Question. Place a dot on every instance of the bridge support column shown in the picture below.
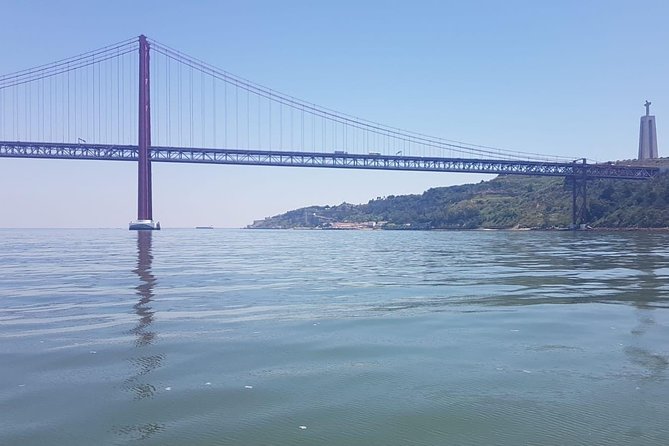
(578, 203)
(579, 211)
(144, 202)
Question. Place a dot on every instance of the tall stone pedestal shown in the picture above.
(647, 136)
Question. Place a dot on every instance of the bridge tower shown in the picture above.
(144, 202)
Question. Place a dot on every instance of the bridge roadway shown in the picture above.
(372, 161)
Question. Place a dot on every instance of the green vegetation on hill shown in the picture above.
(504, 202)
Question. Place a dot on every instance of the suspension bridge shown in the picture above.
(142, 101)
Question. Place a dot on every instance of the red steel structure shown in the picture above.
(144, 205)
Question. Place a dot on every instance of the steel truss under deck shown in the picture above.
(579, 170)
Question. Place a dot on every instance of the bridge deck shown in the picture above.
(320, 159)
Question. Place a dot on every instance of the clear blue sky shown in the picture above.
(560, 78)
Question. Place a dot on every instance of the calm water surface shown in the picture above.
(224, 337)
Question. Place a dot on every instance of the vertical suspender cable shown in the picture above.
(123, 97)
(202, 125)
(191, 105)
(79, 106)
(225, 114)
(202, 107)
(15, 106)
(29, 111)
(86, 96)
(180, 68)
(109, 111)
(215, 122)
(248, 120)
(99, 101)
(77, 109)
(95, 139)
(51, 112)
(118, 98)
(42, 110)
(155, 98)
(105, 94)
(68, 103)
(168, 92)
(109, 108)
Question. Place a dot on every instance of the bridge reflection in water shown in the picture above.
(145, 360)
(144, 290)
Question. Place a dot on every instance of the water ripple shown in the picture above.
(394, 338)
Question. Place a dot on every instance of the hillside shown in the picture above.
(503, 203)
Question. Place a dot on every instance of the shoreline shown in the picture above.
(589, 229)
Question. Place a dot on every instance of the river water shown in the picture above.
(240, 337)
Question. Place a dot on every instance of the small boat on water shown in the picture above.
(204, 227)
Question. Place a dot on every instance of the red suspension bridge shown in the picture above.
(86, 107)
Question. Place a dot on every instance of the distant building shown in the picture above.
(647, 136)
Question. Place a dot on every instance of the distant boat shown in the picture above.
(204, 227)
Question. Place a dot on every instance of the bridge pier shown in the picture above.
(578, 203)
(144, 201)
(579, 211)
